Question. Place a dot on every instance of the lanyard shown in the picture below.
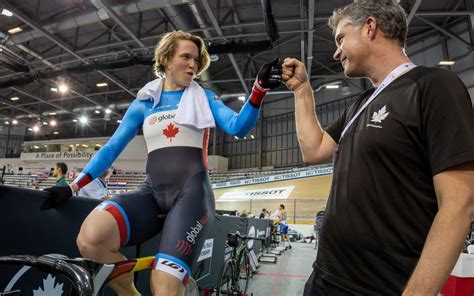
(397, 72)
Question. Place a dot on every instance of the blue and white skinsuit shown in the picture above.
(177, 184)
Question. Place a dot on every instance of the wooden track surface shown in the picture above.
(307, 198)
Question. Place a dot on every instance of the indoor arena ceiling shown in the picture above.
(83, 43)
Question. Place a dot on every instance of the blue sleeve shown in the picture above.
(125, 132)
(238, 124)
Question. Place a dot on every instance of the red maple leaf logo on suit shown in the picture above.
(170, 131)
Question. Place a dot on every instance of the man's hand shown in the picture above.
(57, 195)
(269, 75)
(294, 74)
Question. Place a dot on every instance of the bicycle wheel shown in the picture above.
(192, 288)
(226, 283)
(244, 272)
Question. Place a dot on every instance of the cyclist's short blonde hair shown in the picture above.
(167, 46)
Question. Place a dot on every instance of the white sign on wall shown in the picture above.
(319, 171)
(55, 155)
(268, 193)
(206, 251)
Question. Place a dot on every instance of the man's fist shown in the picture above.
(269, 75)
(57, 195)
(294, 74)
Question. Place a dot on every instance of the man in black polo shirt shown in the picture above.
(402, 194)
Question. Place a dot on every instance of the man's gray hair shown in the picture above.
(390, 16)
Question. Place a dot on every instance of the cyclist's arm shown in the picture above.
(104, 158)
(238, 124)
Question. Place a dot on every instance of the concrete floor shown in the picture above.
(288, 276)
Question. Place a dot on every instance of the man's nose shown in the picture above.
(337, 54)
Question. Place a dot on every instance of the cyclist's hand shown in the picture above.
(57, 195)
(269, 75)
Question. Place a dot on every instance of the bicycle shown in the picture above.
(88, 277)
(236, 268)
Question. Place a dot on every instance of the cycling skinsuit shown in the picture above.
(177, 186)
(283, 223)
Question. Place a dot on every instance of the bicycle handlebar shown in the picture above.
(79, 276)
(245, 237)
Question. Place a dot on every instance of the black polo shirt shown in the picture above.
(382, 200)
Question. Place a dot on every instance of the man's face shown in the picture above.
(351, 48)
(56, 172)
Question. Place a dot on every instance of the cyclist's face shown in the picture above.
(182, 67)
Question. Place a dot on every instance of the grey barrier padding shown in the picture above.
(259, 228)
(206, 272)
(25, 229)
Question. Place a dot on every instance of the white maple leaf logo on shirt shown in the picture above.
(380, 115)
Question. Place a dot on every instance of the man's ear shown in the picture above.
(371, 27)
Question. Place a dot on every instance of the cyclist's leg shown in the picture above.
(186, 227)
(114, 224)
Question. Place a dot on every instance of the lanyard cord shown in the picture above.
(397, 72)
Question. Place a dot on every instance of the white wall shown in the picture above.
(133, 158)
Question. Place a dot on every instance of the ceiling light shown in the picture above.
(97, 111)
(45, 123)
(102, 84)
(332, 86)
(446, 63)
(52, 113)
(7, 122)
(36, 147)
(242, 98)
(7, 12)
(119, 121)
(55, 133)
(71, 145)
(108, 111)
(53, 122)
(36, 128)
(252, 136)
(30, 129)
(54, 89)
(214, 57)
(14, 121)
(77, 144)
(235, 137)
(15, 30)
(98, 145)
(45, 146)
(84, 145)
(14, 98)
(74, 120)
(83, 119)
(63, 88)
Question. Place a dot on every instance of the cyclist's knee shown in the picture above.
(163, 283)
(99, 232)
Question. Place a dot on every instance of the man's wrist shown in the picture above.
(304, 87)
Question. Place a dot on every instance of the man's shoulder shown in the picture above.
(423, 74)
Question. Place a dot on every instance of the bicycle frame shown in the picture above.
(88, 277)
